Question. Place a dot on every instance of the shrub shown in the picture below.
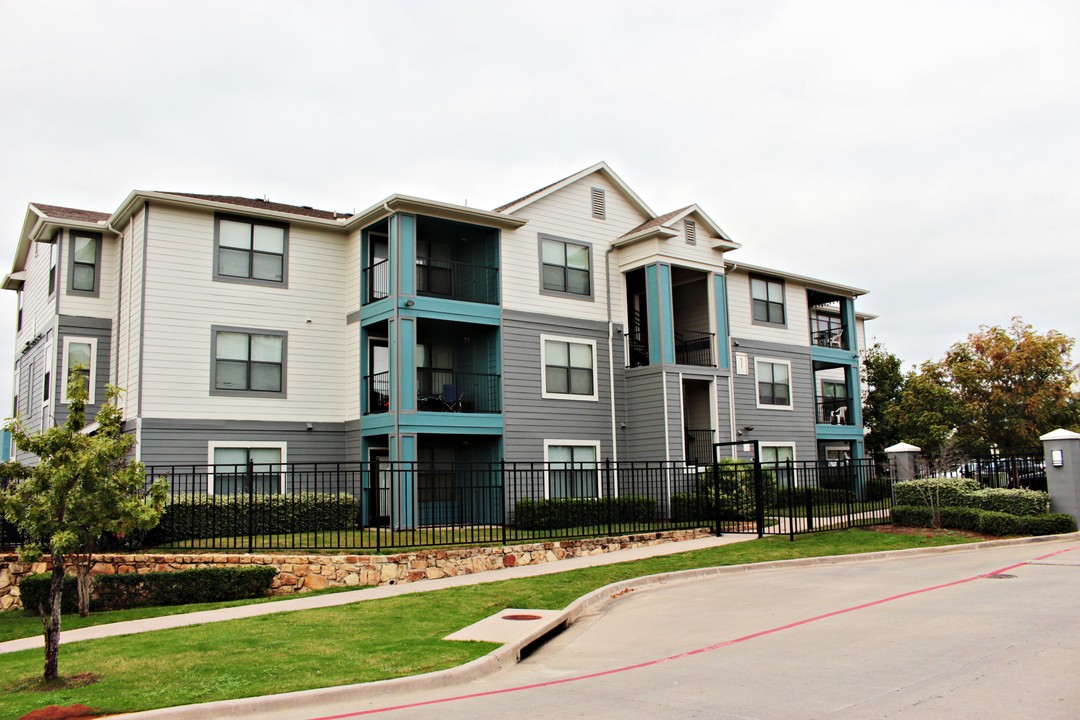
(201, 516)
(733, 489)
(1013, 501)
(999, 523)
(960, 518)
(912, 516)
(943, 492)
(1049, 524)
(113, 592)
(985, 521)
(557, 513)
(691, 507)
(34, 591)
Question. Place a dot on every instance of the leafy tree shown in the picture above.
(883, 380)
(81, 487)
(1011, 384)
(925, 412)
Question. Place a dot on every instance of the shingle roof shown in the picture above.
(656, 221)
(261, 204)
(534, 192)
(66, 213)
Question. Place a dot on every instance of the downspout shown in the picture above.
(733, 364)
(396, 335)
(119, 295)
(611, 358)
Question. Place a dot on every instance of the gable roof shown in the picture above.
(65, 213)
(660, 225)
(261, 204)
(600, 167)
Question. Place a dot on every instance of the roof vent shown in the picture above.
(691, 232)
(599, 210)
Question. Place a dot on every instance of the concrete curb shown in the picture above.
(510, 653)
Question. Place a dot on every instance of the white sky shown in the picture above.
(925, 151)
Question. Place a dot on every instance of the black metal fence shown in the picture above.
(1015, 470)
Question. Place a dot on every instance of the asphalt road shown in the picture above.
(922, 637)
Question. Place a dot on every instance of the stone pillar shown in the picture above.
(1061, 450)
(902, 461)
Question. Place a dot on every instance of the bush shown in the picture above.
(559, 513)
(815, 496)
(1049, 524)
(944, 492)
(691, 507)
(113, 592)
(999, 523)
(984, 521)
(34, 591)
(201, 516)
(734, 489)
(1013, 501)
(960, 518)
(912, 516)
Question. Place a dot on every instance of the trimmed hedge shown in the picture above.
(1014, 502)
(116, 592)
(558, 513)
(984, 521)
(187, 517)
(962, 492)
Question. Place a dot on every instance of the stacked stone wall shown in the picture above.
(298, 573)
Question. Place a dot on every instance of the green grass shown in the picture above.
(363, 642)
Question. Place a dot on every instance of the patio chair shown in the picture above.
(451, 398)
(838, 416)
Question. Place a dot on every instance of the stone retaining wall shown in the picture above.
(297, 573)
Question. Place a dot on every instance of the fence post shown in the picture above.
(715, 494)
(759, 481)
(502, 498)
(611, 507)
(791, 498)
(250, 480)
(374, 472)
(1061, 453)
(902, 461)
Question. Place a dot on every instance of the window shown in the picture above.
(773, 383)
(46, 386)
(228, 476)
(251, 251)
(690, 228)
(775, 458)
(572, 469)
(247, 362)
(19, 312)
(768, 300)
(81, 353)
(599, 207)
(52, 263)
(85, 263)
(569, 368)
(566, 266)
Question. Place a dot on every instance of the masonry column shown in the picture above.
(1061, 450)
(902, 460)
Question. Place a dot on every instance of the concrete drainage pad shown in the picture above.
(505, 626)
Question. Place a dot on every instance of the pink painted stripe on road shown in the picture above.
(691, 653)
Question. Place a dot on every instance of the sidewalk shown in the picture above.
(372, 593)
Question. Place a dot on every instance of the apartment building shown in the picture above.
(571, 325)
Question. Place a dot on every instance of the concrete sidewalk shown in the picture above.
(372, 593)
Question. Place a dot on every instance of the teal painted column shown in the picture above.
(847, 317)
(722, 345)
(405, 362)
(661, 330)
(403, 450)
(851, 380)
(406, 245)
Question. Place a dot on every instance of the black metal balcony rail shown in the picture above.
(457, 281)
(831, 337)
(699, 446)
(376, 280)
(442, 390)
(377, 387)
(834, 411)
(693, 348)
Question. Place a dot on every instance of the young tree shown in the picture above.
(81, 487)
(925, 413)
(1011, 385)
(883, 379)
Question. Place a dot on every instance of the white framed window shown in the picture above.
(773, 383)
(573, 469)
(774, 458)
(229, 462)
(46, 386)
(245, 361)
(252, 251)
(569, 368)
(81, 352)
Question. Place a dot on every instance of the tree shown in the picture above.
(925, 413)
(1011, 385)
(883, 379)
(81, 487)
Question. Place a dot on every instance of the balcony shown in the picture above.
(378, 392)
(828, 335)
(457, 281)
(443, 390)
(834, 411)
(694, 348)
(376, 282)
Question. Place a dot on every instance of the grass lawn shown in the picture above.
(373, 640)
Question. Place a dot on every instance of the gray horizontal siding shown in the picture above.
(645, 414)
(84, 327)
(185, 442)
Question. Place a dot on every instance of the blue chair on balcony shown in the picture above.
(451, 398)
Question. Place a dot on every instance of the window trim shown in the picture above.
(92, 380)
(544, 393)
(253, 221)
(73, 236)
(783, 305)
(781, 444)
(216, 391)
(54, 261)
(757, 384)
(47, 380)
(541, 237)
(213, 446)
(595, 444)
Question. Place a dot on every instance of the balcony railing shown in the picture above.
(693, 348)
(378, 392)
(834, 411)
(699, 446)
(439, 390)
(377, 281)
(457, 281)
(831, 337)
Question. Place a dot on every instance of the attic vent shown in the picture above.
(599, 210)
(691, 232)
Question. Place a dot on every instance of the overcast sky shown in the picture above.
(925, 151)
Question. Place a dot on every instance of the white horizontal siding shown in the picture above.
(796, 310)
(353, 264)
(39, 308)
(566, 213)
(183, 302)
(104, 305)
